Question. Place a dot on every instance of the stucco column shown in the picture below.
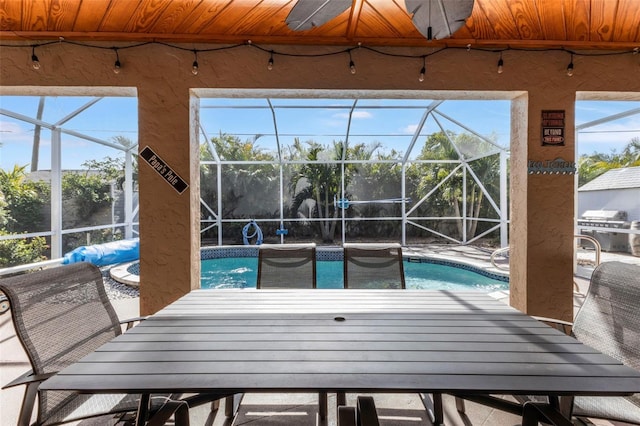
(169, 220)
(542, 208)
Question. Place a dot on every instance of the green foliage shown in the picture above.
(89, 192)
(24, 201)
(322, 181)
(592, 166)
(249, 190)
(21, 251)
(444, 180)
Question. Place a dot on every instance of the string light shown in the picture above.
(352, 65)
(35, 62)
(117, 65)
(195, 66)
(570, 67)
(423, 70)
(270, 63)
(500, 64)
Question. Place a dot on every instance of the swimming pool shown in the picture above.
(236, 267)
(420, 273)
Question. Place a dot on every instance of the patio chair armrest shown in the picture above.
(564, 326)
(28, 378)
(130, 322)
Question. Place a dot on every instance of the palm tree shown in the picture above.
(592, 166)
(322, 182)
(484, 163)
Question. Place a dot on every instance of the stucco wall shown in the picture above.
(541, 233)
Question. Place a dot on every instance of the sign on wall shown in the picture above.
(553, 127)
(163, 170)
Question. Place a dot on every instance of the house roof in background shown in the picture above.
(625, 178)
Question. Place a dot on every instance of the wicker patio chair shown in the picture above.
(608, 321)
(372, 265)
(287, 266)
(60, 315)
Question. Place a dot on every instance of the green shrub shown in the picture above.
(21, 251)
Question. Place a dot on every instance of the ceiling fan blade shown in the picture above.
(307, 14)
(438, 19)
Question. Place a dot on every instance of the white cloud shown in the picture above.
(355, 115)
(410, 129)
(12, 132)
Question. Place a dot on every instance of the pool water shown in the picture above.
(241, 272)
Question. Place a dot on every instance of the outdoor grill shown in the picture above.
(608, 220)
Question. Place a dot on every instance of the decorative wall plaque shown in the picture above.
(553, 127)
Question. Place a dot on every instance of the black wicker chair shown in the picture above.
(60, 315)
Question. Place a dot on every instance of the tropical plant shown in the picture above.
(249, 190)
(21, 251)
(320, 178)
(24, 200)
(445, 180)
(593, 165)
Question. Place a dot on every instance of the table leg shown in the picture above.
(533, 412)
(143, 410)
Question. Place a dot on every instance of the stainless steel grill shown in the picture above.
(608, 220)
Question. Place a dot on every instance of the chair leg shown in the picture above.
(323, 405)
(346, 416)
(433, 405)
(231, 404)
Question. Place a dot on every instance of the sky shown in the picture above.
(390, 122)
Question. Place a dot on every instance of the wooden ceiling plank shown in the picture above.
(247, 18)
(500, 18)
(90, 15)
(627, 22)
(577, 20)
(478, 23)
(390, 16)
(35, 15)
(202, 16)
(603, 13)
(526, 18)
(62, 14)
(552, 20)
(354, 18)
(10, 15)
(173, 15)
(118, 15)
(146, 15)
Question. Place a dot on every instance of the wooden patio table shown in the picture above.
(367, 341)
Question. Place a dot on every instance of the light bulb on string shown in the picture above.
(500, 64)
(423, 70)
(35, 62)
(570, 67)
(195, 66)
(270, 62)
(117, 65)
(352, 65)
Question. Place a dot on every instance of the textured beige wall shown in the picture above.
(541, 232)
